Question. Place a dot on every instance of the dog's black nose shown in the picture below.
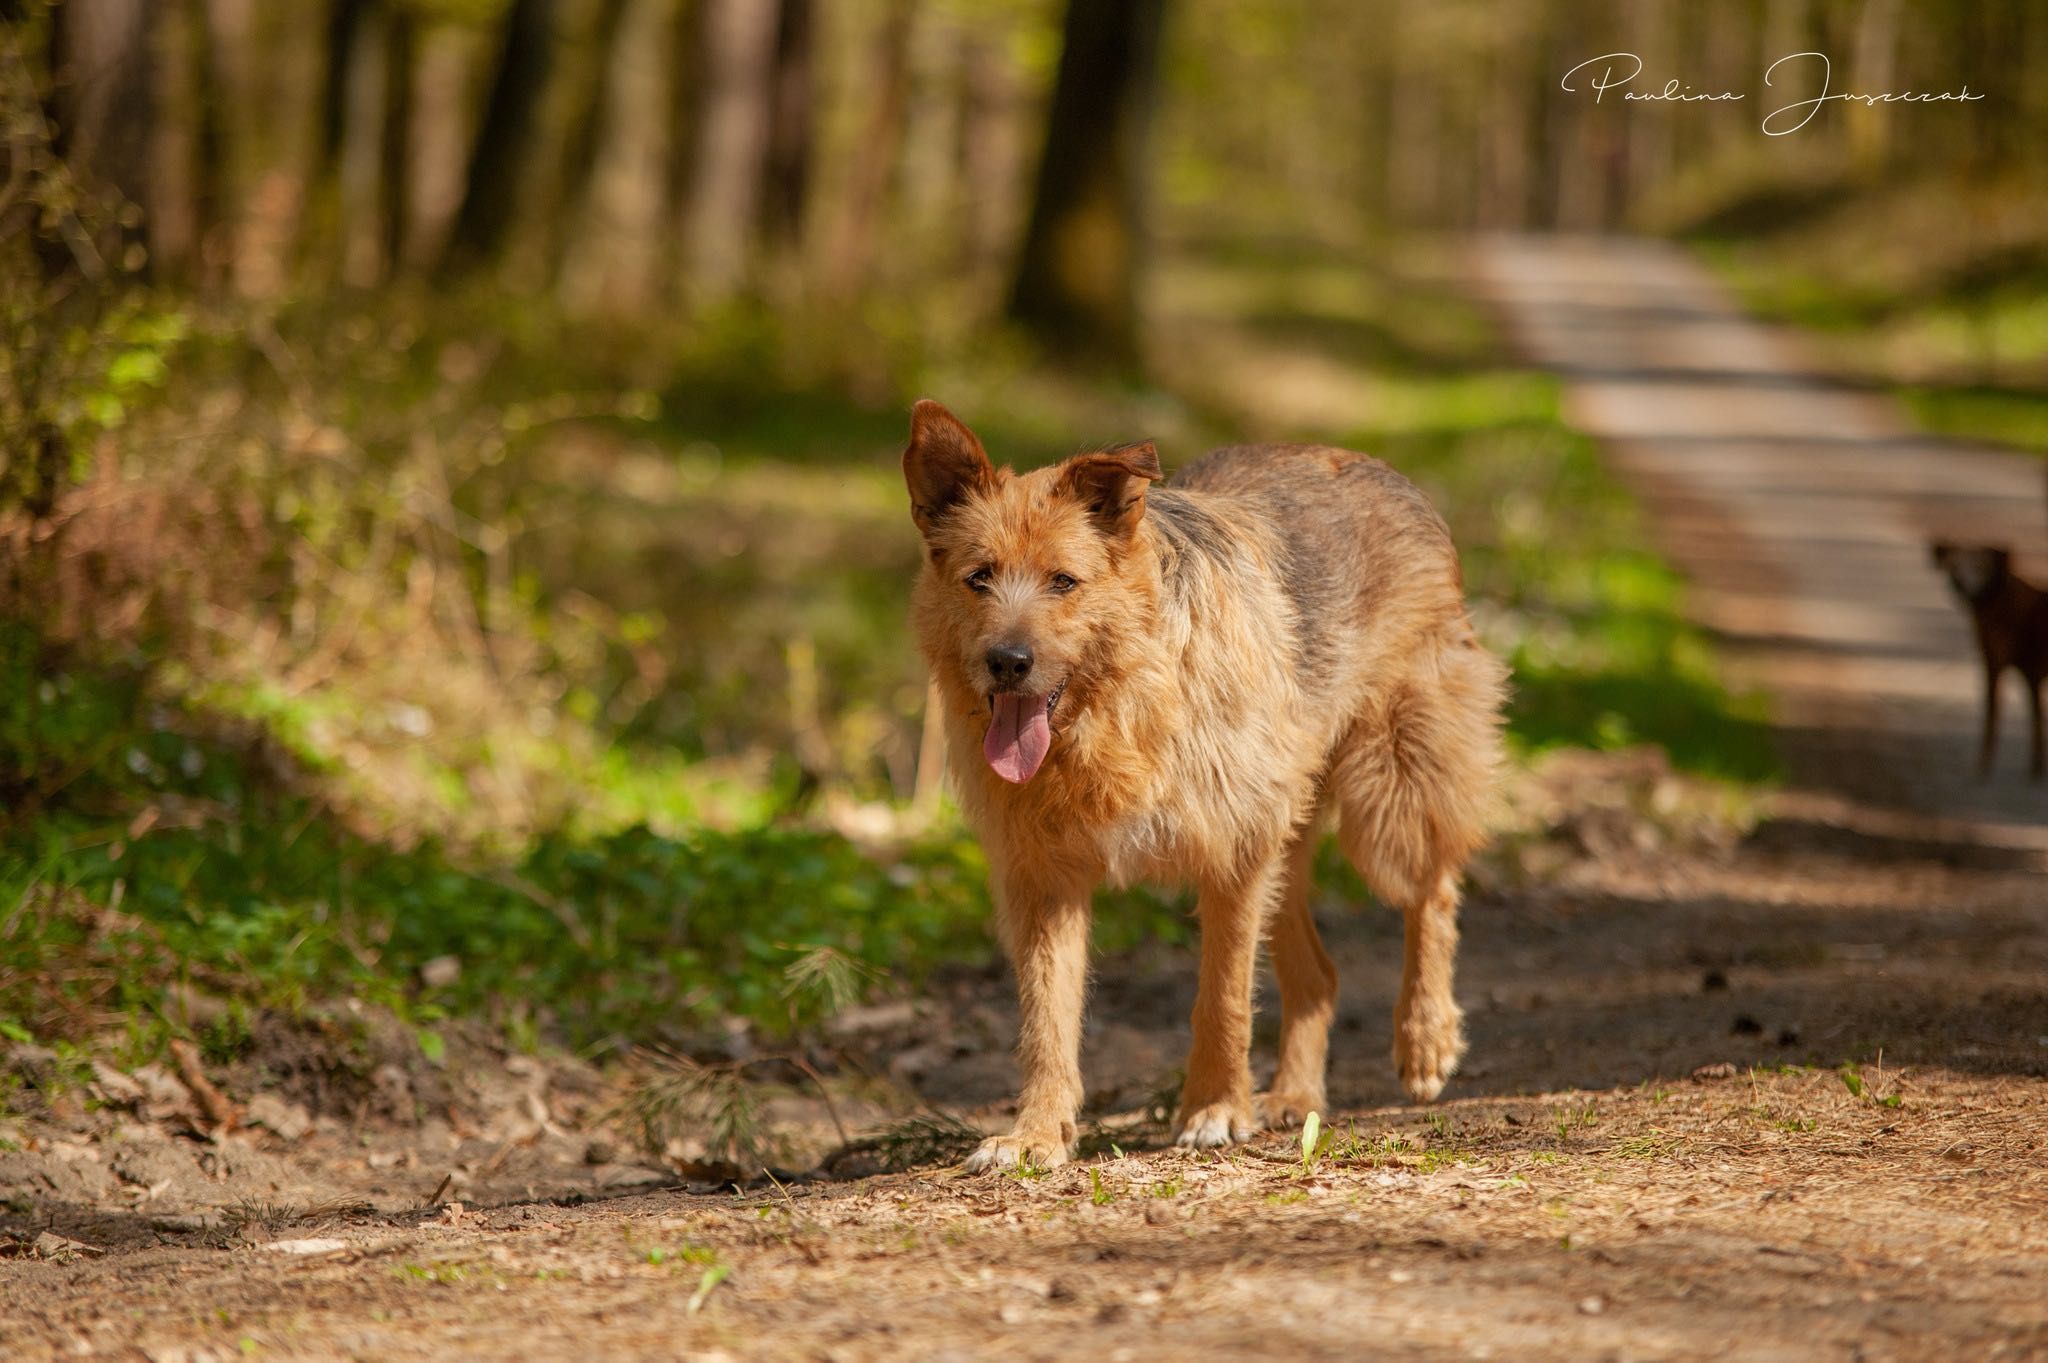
(1009, 664)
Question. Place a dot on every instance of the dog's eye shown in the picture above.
(1063, 584)
(980, 578)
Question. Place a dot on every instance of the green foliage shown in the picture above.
(1564, 583)
(633, 933)
(1953, 320)
(243, 876)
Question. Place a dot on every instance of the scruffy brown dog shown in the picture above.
(2011, 618)
(1178, 683)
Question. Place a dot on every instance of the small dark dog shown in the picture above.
(2011, 616)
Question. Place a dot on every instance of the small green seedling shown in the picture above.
(714, 1274)
(1313, 1143)
(1101, 1196)
(1852, 1079)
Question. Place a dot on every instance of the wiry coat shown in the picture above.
(1276, 632)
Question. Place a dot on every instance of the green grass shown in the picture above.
(1934, 291)
(2015, 417)
(1591, 620)
(226, 871)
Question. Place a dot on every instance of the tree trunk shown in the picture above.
(725, 192)
(344, 21)
(867, 182)
(490, 191)
(394, 200)
(1076, 279)
(443, 123)
(1872, 67)
(990, 173)
(787, 180)
(610, 261)
(321, 230)
(105, 101)
(358, 172)
(181, 188)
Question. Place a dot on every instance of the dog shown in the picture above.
(2011, 618)
(1184, 682)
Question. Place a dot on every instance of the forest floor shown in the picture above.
(1768, 1099)
(1763, 1084)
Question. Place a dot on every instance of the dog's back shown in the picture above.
(1398, 705)
(1365, 561)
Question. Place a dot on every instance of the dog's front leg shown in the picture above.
(1216, 1100)
(1046, 936)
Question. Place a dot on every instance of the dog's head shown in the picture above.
(1974, 570)
(1028, 577)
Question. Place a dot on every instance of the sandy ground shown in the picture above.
(1654, 1152)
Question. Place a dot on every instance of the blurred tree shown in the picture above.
(790, 125)
(490, 191)
(732, 145)
(886, 92)
(1076, 278)
(105, 76)
(611, 259)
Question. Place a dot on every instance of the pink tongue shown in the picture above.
(1018, 737)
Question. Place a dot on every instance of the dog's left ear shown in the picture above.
(1112, 484)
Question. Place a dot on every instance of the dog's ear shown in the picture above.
(1112, 484)
(943, 463)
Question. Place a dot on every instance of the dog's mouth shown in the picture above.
(1019, 732)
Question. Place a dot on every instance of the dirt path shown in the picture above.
(1652, 1154)
(1801, 511)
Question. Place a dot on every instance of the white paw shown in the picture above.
(1216, 1124)
(1427, 1048)
(1019, 1149)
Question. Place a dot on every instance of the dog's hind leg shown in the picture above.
(1216, 1100)
(1308, 994)
(1412, 784)
(1429, 1027)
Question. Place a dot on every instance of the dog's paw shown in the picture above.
(1285, 1109)
(1018, 1150)
(1427, 1047)
(1215, 1124)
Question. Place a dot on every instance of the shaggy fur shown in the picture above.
(2011, 619)
(1272, 640)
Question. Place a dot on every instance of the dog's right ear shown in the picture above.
(943, 463)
